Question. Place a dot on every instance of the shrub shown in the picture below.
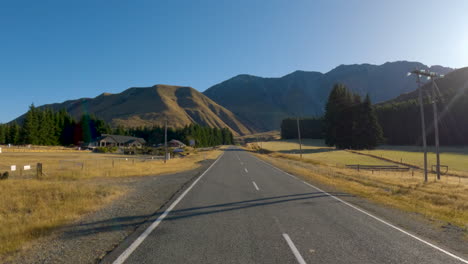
(4, 176)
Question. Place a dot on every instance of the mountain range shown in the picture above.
(246, 103)
(261, 103)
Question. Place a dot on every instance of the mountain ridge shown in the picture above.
(151, 106)
(263, 102)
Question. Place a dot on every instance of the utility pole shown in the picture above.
(165, 141)
(299, 136)
(423, 124)
(429, 75)
(436, 125)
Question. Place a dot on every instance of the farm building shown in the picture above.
(118, 141)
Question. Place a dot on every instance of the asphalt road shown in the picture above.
(243, 210)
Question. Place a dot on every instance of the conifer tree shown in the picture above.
(369, 132)
(14, 134)
(31, 126)
(2, 134)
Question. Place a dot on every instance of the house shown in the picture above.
(107, 140)
(175, 144)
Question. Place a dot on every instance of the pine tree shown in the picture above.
(338, 124)
(368, 129)
(30, 127)
(14, 134)
(2, 134)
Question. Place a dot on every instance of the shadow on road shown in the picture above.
(132, 222)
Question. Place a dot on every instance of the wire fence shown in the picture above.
(78, 168)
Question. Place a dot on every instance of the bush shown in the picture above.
(4, 176)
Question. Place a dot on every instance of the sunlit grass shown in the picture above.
(315, 150)
(445, 200)
(70, 188)
(31, 208)
(91, 165)
(455, 158)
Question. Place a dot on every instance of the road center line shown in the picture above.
(255, 185)
(375, 217)
(246, 171)
(121, 259)
(294, 249)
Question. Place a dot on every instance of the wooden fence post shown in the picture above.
(39, 171)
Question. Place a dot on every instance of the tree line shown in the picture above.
(203, 136)
(344, 124)
(349, 122)
(401, 122)
(309, 127)
(52, 128)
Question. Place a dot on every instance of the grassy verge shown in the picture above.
(30, 208)
(446, 201)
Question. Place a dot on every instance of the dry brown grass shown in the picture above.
(79, 165)
(30, 208)
(445, 200)
(32, 148)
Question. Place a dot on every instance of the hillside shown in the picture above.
(263, 102)
(152, 105)
(400, 117)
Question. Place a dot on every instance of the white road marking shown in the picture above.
(246, 171)
(121, 259)
(255, 185)
(294, 249)
(376, 218)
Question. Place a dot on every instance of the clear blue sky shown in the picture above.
(51, 51)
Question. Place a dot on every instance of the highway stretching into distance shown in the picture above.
(243, 210)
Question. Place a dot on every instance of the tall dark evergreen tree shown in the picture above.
(367, 131)
(14, 134)
(2, 134)
(30, 131)
(337, 122)
(350, 123)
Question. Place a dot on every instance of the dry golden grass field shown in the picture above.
(455, 158)
(69, 188)
(445, 200)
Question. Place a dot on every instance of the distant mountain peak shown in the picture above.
(264, 102)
